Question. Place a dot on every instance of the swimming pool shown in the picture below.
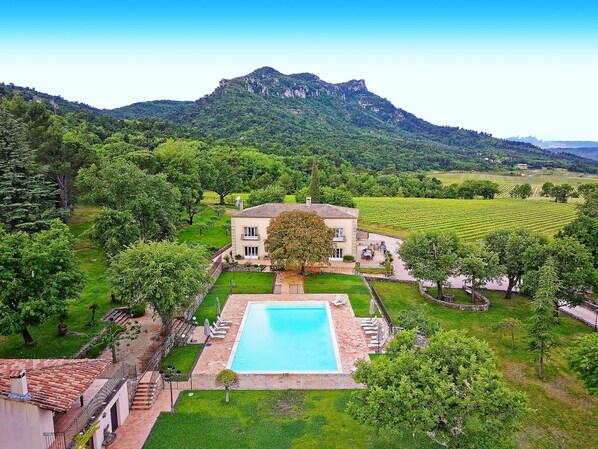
(286, 337)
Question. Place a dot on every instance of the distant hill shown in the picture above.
(582, 148)
(301, 115)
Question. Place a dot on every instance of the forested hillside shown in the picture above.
(299, 116)
(302, 114)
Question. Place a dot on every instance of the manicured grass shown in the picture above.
(359, 295)
(182, 357)
(461, 297)
(96, 291)
(470, 219)
(564, 414)
(245, 282)
(217, 235)
(270, 419)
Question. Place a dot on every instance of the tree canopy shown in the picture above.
(431, 256)
(583, 358)
(449, 391)
(166, 275)
(38, 275)
(297, 238)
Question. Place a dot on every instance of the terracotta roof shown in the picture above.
(54, 384)
(273, 210)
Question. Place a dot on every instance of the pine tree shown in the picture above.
(27, 198)
(314, 185)
(541, 333)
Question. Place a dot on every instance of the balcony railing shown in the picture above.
(339, 238)
(250, 237)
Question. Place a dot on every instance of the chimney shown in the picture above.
(308, 201)
(18, 382)
(241, 205)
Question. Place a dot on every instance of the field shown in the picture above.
(470, 219)
(215, 236)
(564, 415)
(506, 182)
(271, 419)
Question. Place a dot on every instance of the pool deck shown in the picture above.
(352, 346)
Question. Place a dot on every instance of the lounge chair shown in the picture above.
(220, 326)
(213, 335)
(339, 301)
(220, 320)
(214, 330)
(369, 320)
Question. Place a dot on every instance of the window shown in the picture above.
(337, 253)
(250, 233)
(339, 234)
(251, 252)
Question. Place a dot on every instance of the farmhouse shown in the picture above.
(44, 403)
(249, 228)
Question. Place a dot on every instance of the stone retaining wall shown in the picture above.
(467, 307)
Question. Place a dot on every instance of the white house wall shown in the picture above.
(22, 425)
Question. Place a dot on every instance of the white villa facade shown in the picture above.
(249, 228)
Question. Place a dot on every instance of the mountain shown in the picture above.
(582, 148)
(555, 144)
(301, 114)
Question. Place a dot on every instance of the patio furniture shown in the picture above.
(214, 330)
(339, 301)
(212, 335)
(220, 320)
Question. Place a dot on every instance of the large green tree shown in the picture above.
(584, 228)
(510, 246)
(225, 180)
(151, 199)
(431, 256)
(573, 264)
(479, 265)
(165, 275)
(270, 194)
(188, 170)
(38, 275)
(297, 238)
(541, 332)
(27, 198)
(113, 230)
(583, 358)
(449, 391)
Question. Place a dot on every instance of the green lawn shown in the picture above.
(270, 419)
(182, 357)
(565, 416)
(359, 295)
(216, 236)
(245, 282)
(96, 290)
(461, 297)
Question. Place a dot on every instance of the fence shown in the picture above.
(380, 304)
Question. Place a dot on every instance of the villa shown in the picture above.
(249, 228)
(45, 403)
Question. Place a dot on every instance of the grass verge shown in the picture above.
(359, 295)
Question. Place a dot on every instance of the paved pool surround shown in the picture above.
(350, 340)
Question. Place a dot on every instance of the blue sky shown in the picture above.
(509, 68)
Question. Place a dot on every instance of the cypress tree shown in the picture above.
(314, 185)
(27, 198)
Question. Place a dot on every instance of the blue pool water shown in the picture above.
(285, 337)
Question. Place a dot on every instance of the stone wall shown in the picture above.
(467, 307)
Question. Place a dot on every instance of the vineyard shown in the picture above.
(470, 219)
(536, 178)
